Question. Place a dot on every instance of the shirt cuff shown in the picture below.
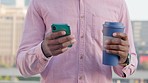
(41, 55)
(118, 70)
(128, 70)
(125, 71)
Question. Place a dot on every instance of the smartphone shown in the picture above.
(61, 27)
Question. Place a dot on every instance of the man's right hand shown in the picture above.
(54, 45)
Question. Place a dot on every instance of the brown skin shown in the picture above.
(118, 45)
(53, 46)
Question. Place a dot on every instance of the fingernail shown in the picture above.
(63, 32)
(72, 36)
(114, 34)
(74, 40)
(64, 49)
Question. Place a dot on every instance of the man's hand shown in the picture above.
(118, 45)
(54, 45)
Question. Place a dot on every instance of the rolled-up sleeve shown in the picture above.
(129, 69)
(30, 58)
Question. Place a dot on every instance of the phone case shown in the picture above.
(61, 27)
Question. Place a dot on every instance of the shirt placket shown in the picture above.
(82, 40)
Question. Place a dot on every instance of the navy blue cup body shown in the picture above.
(108, 29)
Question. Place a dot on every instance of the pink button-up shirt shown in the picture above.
(82, 63)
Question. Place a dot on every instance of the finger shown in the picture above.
(59, 51)
(117, 48)
(116, 41)
(56, 35)
(69, 43)
(55, 47)
(61, 40)
(119, 53)
(60, 46)
(65, 39)
(120, 35)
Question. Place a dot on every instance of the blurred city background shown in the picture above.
(12, 14)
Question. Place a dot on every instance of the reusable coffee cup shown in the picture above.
(108, 29)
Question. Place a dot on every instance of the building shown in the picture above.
(11, 25)
(8, 2)
(27, 2)
(140, 29)
(17, 3)
(12, 14)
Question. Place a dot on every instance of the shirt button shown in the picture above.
(82, 16)
(80, 78)
(81, 57)
(82, 36)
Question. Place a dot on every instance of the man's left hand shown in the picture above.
(118, 45)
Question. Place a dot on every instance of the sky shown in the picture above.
(138, 9)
